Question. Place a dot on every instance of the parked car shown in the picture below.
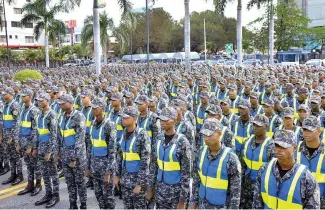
(231, 63)
(315, 62)
(252, 62)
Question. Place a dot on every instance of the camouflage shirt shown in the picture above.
(153, 122)
(14, 111)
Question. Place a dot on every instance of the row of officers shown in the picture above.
(245, 167)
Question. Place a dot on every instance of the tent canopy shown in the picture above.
(160, 56)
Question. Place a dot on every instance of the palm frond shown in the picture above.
(125, 5)
(30, 18)
(87, 34)
(38, 29)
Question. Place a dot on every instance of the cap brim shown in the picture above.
(125, 115)
(60, 102)
(206, 132)
(258, 123)
(94, 106)
(164, 118)
(282, 144)
(310, 128)
(243, 107)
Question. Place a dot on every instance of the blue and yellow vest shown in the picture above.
(296, 105)
(254, 158)
(214, 176)
(75, 101)
(131, 159)
(146, 125)
(221, 95)
(107, 109)
(200, 116)
(213, 90)
(241, 134)
(89, 119)
(42, 127)
(98, 140)
(26, 121)
(271, 128)
(118, 122)
(169, 168)
(316, 166)
(7, 116)
(174, 92)
(259, 110)
(281, 196)
(68, 133)
(233, 105)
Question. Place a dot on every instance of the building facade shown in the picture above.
(315, 10)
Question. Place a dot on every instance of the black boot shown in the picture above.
(19, 178)
(11, 179)
(54, 200)
(5, 170)
(73, 205)
(37, 188)
(29, 188)
(83, 206)
(90, 184)
(61, 174)
(43, 200)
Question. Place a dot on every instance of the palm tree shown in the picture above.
(87, 33)
(270, 11)
(126, 6)
(220, 8)
(187, 33)
(56, 31)
(43, 15)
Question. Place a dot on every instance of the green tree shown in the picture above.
(87, 33)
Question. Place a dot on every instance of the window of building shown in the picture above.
(78, 38)
(29, 25)
(2, 38)
(10, 36)
(18, 11)
(15, 24)
(16, 36)
(29, 39)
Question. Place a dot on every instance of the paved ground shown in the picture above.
(10, 200)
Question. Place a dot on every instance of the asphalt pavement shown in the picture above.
(10, 200)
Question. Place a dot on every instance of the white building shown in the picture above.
(315, 10)
(18, 37)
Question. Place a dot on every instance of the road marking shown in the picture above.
(13, 188)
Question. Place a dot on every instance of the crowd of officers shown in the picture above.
(213, 137)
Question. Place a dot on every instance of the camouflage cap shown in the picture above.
(153, 99)
(288, 112)
(182, 97)
(65, 98)
(210, 126)
(254, 95)
(244, 104)
(285, 138)
(8, 90)
(225, 101)
(142, 99)
(55, 89)
(130, 111)
(128, 95)
(304, 107)
(214, 109)
(269, 102)
(290, 86)
(168, 113)
(86, 92)
(116, 96)
(232, 87)
(308, 82)
(110, 89)
(303, 90)
(311, 123)
(98, 102)
(222, 81)
(261, 120)
(204, 94)
(178, 103)
(315, 99)
(267, 85)
(43, 96)
(27, 92)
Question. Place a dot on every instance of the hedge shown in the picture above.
(27, 74)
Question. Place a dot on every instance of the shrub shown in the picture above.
(27, 74)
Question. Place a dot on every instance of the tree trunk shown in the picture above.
(271, 33)
(97, 38)
(239, 32)
(47, 56)
(187, 34)
(105, 53)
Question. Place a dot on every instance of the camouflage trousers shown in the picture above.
(104, 192)
(3, 159)
(247, 192)
(51, 177)
(133, 201)
(33, 168)
(11, 154)
(167, 196)
(74, 178)
(204, 204)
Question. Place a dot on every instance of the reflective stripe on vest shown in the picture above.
(75, 105)
(25, 122)
(241, 139)
(98, 141)
(42, 129)
(199, 117)
(284, 196)
(214, 177)
(146, 126)
(270, 128)
(68, 133)
(7, 117)
(233, 107)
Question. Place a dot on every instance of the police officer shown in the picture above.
(256, 108)
(311, 153)
(27, 142)
(225, 106)
(274, 119)
(170, 167)
(303, 112)
(72, 150)
(288, 123)
(133, 161)
(102, 155)
(76, 95)
(217, 172)
(46, 148)
(11, 136)
(283, 182)
(256, 151)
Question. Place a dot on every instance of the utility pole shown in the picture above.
(205, 42)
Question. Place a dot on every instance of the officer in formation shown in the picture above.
(239, 119)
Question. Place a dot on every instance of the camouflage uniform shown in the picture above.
(130, 179)
(309, 189)
(99, 165)
(233, 171)
(74, 177)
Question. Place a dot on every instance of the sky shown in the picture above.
(174, 7)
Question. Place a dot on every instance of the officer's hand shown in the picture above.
(47, 157)
(28, 150)
(0, 139)
(35, 152)
(106, 178)
(72, 164)
(18, 148)
(192, 207)
(116, 182)
(181, 205)
(137, 189)
(56, 157)
(87, 172)
(9, 140)
(149, 194)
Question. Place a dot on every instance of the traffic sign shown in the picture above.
(229, 48)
